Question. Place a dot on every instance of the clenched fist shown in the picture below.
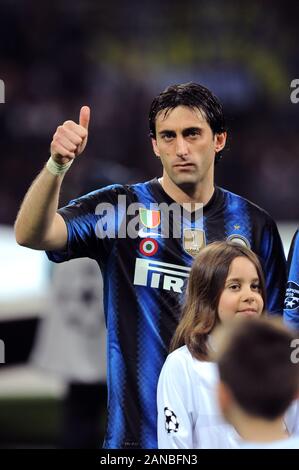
(70, 139)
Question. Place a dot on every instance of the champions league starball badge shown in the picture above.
(292, 296)
(171, 421)
(194, 241)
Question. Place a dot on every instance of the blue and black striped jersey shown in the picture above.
(144, 281)
(291, 304)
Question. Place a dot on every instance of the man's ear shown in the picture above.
(220, 141)
(155, 147)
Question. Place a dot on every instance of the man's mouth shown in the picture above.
(184, 165)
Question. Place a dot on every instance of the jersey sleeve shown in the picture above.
(291, 304)
(91, 227)
(291, 418)
(274, 265)
(174, 416)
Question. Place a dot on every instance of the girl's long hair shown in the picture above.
(206, 283)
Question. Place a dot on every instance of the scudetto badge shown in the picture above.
(194, 241)
(149, 218)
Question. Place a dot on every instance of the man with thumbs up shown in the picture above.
(38, 225)
(145, 268)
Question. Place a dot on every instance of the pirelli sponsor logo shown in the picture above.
(160, 275)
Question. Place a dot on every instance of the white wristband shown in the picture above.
(57, 168)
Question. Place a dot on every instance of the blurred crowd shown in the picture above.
(115, 57)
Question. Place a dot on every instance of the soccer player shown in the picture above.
(145, 268)
(258, 383)
(291, 305)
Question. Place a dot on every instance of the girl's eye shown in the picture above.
(256, 287)
(234, 286)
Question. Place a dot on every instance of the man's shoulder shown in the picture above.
(112, 192)
(113, 189)
(237, 199)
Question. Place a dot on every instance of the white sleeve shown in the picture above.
(175, 425)
(292, 418)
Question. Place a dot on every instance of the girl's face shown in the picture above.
(241, 296)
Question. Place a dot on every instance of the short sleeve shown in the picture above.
(291, 305)
(91, 222)
(274, 265)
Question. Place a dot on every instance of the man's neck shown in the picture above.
(188, 194)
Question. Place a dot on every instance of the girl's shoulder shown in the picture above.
(182, 358)
(181, 368)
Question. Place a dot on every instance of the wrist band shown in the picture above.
(57, 168)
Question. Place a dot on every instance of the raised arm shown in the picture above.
(38, 225)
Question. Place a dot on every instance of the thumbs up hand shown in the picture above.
(70, 139)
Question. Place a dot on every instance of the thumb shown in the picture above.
(84, 117)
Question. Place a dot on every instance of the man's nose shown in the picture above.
(181, 146)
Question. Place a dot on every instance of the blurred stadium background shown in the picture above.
(116, 56)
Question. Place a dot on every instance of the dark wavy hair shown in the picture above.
(192, 95)
(205, 286)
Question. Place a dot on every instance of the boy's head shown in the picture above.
(257, 374)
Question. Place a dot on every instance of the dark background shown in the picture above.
(56, 56)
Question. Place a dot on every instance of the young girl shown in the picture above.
(226, 282)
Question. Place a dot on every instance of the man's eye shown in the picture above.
(193, 133)
(167, 137)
